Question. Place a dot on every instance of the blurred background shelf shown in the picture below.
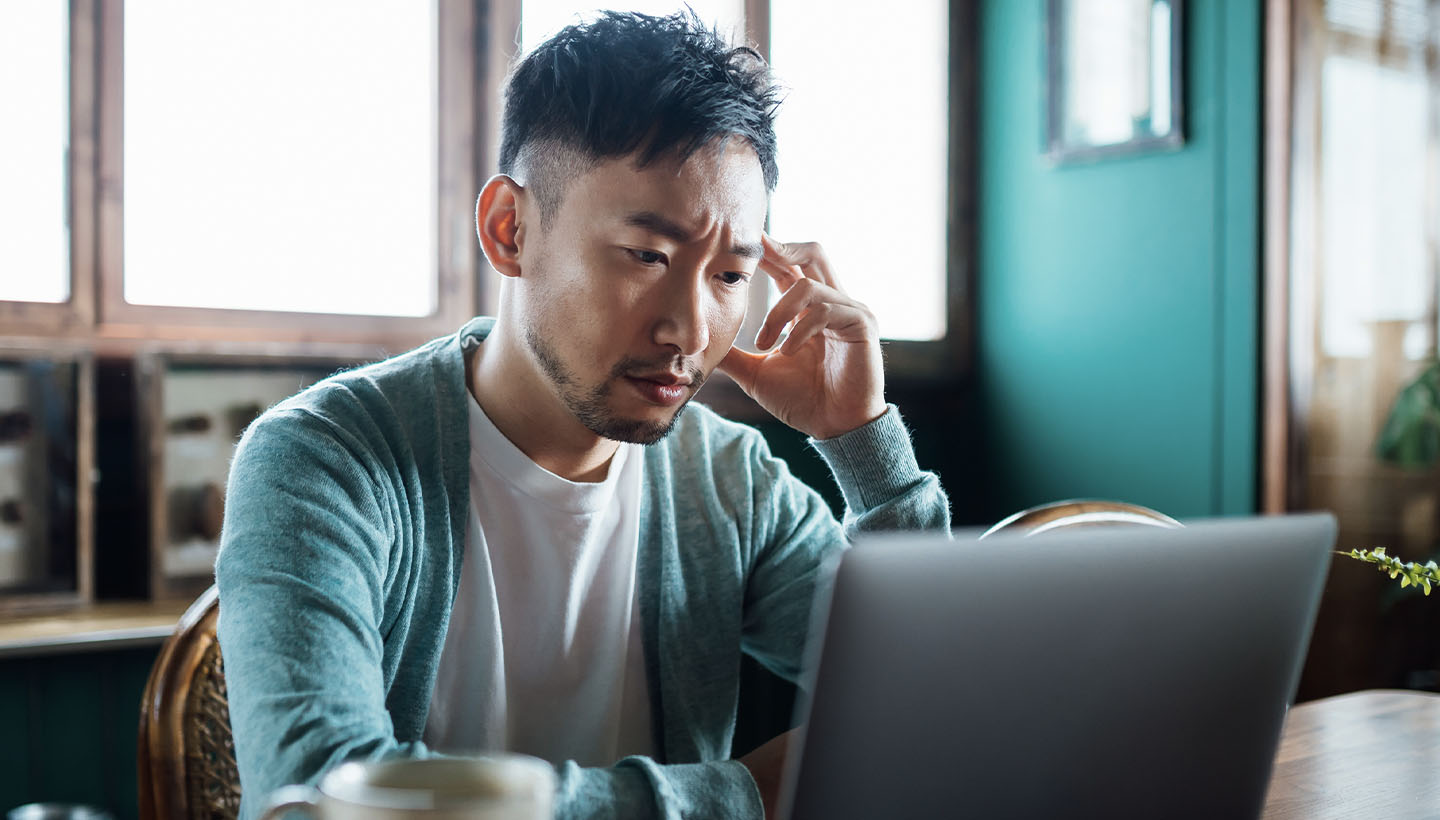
(95, 627)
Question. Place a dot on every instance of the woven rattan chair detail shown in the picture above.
(186, 755)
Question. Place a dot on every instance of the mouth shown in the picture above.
(664, 378)
(663, 389)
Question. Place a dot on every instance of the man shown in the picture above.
(512, 537)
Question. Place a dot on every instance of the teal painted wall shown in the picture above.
(1117, 302)
(68, 727)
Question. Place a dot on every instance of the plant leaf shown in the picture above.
(1411, 435)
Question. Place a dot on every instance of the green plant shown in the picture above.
(1411, 435)
(1410, 439)
(1409, 572)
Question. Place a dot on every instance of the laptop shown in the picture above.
(1101, 672)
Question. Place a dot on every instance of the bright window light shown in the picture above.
(35, 96)
(281, 155)
(865, 119)
(541, 19)
(1375, 257)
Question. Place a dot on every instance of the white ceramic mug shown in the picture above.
(497, 787)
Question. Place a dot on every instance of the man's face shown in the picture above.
(635, 288)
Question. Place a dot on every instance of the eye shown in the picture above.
(731, 277)
(646, 257)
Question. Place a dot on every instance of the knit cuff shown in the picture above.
(717, 788)
(872, 464)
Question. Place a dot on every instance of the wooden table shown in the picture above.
(1372, 755)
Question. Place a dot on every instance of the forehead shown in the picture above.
(720, 183)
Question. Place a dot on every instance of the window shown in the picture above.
(1373, 254)
(1351, 231)
(297, 159)
(257, 171)
(34, 85)
(541, 19)
(859, 119)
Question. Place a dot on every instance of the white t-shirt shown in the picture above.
(543, 654)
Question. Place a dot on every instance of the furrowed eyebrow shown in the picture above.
(670, 229)
(749, 250)
(657, 224)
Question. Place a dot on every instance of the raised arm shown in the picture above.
(825, 379)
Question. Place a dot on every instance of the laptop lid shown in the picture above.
(1108, 672)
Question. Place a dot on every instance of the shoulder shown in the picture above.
(410, 402)
(408, 381)
(413, 386)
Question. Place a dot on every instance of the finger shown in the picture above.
(742, 366)
(795, 301)
(786, 257)
(791, 303)
(810, 257)
(810, 323)
(843, 320)
(782, 272)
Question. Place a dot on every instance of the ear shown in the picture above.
(497, 222)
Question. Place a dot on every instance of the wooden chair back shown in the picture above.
(1059, 515)
(186, 754)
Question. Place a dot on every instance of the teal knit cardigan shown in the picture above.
(340, 559)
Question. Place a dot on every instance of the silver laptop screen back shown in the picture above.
(1101, 673)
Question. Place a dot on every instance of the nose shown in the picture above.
(682, 324)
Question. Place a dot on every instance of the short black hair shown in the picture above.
(630, 83)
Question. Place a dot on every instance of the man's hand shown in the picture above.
(767, 766)
(827, 378)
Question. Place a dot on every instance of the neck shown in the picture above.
(519, 402)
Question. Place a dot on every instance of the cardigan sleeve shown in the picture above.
(883, 486)
(884, 489)
(301, 569)
(639, 788)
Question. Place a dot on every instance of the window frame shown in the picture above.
(97, 312)
(77, 313)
